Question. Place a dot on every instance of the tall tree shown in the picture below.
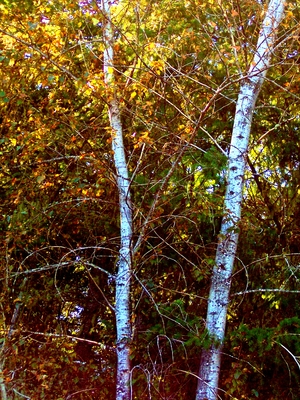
(218, 299)
(122, 303)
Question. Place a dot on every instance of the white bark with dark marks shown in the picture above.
(122, 302)
(228, 239)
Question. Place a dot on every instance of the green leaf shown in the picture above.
(40, 178)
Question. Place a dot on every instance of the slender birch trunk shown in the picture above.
(122, 301)
(228, 239)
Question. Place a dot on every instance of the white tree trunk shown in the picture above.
(122, 303)
(222, 273)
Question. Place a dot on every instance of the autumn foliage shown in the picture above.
(177, 74)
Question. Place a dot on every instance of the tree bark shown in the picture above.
(218, 300)
(122, 301)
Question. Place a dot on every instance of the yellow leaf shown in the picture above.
(151, 46)
(99, 192)
(95, 21)
(133, 95)
(17, 300)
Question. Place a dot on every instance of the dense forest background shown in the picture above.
(178, 67)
